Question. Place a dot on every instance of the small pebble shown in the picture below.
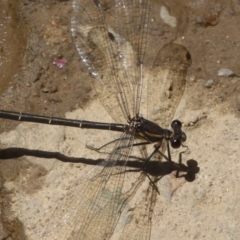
(209, 83)
(59, 63)
(45, 90)
(167, 18)
(51, 89)
(193, 120)
(28, 84)
(192, 78)
(225, 72)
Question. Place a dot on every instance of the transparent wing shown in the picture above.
(167, 82)
(92, 207)
(114, 49)
(112, 46)
(139, 222)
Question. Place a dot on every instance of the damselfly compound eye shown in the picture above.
(176, 143)
(176, 124)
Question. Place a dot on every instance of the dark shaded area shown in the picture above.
(13, 38)
(14, 229)
(39, 86)
(154, 168)
(11, 228)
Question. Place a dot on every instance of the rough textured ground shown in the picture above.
(33, 179)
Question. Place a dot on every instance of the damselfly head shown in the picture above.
(179, 136)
